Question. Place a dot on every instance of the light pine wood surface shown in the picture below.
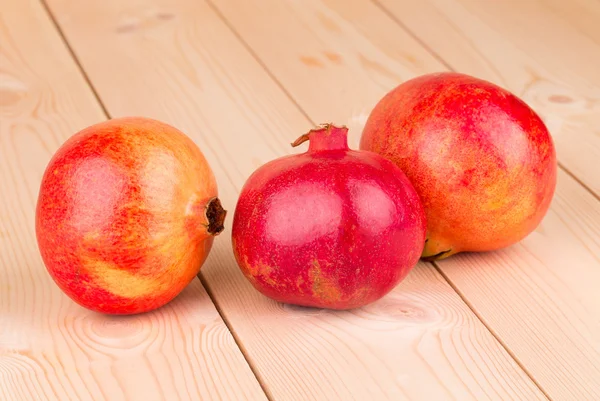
(244, 79)
(50, 348)
(557, 261)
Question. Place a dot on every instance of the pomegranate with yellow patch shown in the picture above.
(126, 215)
(331, 228)
(480, 158)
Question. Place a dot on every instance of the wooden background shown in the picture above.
(243, 79)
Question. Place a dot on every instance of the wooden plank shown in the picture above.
(177, 61)
(539, 56)
(555, 266)
(582, 15)
(335, 63)
(50, 348)
(529, 49)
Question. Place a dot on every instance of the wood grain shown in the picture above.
(50, 348)
(529, 48)
(188, 68)
(556, 266)
(367, 54)
(582, 15)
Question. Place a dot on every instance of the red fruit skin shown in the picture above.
(482, 161)
(331, 228)
(121, 217)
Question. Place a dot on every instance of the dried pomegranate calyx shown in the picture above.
(327, 136)
(215, 215)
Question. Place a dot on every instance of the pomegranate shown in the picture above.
(126, 215)
(330, 228)
(480, 158)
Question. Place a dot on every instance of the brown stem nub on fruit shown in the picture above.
(325, 137)
(215, 214)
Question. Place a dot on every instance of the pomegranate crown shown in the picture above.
(327, 136)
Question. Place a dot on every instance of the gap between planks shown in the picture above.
(579, 181)
(413, 35)
(491, 330)
(239, 342)
(106, 113)
(74, 58)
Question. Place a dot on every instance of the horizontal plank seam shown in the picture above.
(579, 181)
(259, 60)
(108, 115)
(237, 339)
(74, 58)
(489, 328)
(392, 17)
